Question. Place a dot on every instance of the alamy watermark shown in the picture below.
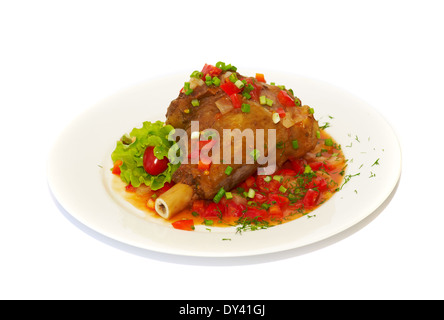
(256, 150)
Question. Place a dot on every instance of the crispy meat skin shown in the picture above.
(259, 117)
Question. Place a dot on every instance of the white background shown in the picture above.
(59, 58)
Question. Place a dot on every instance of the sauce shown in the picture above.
(295, 190)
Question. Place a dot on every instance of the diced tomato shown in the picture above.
(130, 188)
(285, 99)
(318, 183)
(213, 71)
(259, 197)
(259, 214)
(204, 165)
(280, 200)
(260, 77)
(287, 172)
(236, 99)
(280, 112)
(329, 166)
(311, 198)
(167, 186)
(234, 209)
(116, 168)
(255, 93)
(316, 165)
(187, 224)
(213, 211)
(229, 88)
(250, 181)
(275, 211)
(298, 165)
(198, 206)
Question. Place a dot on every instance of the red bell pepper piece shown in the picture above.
(285, 99)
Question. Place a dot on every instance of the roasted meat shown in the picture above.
(298, 124)
(243, 103)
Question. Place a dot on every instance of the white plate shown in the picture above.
(79, 175)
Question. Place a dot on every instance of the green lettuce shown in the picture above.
(130, 150)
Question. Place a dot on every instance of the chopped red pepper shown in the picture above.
(285, 99)
(280, 112)
(260, 77)
(230, 88)
(311, 198)
(130, 188)
(236, 99)
(204, 165)
(116, 168)
(187, 224)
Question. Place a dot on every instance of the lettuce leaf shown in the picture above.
(132, 171)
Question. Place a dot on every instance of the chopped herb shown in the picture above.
(228, 170)
(295, 144)
(195, 102)
(245, 107)
(376, 163)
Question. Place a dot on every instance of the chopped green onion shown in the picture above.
(267, 179)
(233, 78)
(219, 195)
(311, 110)
(318, 134)
(186, 88)
(239, 84)
(328, 142)
(228, 195)
(295, 144)
(245, 107)
(263, 100)
(208, 80)
(216, 81)
(282, 189)
(275, 117)
(269, 102)
(255, 154)
(221, 65)
(251, 193)
(228, 170)
(195, 102)
(208, 222)
(308, 169)
(196, 74)
(278, 178)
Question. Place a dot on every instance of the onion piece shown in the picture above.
(292, 116)
(195, 82)
(224, 105)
